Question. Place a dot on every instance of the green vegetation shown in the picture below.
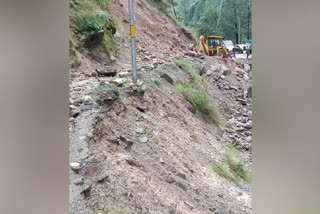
(94, 22)
(162, 5)
(158, 82)
(93, 18)
(195, 92)
(152, 122)
(183, 64)
(228, 18)
(238, 168)
(233, 169)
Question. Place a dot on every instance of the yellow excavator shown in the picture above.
(214, 46)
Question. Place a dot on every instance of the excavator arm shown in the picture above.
(205, 49)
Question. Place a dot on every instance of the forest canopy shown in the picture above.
(228, 18)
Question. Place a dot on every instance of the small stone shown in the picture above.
(75, 166)
(182, 175)
(139, 131)
(143, 108)
(112, 58)
(124, 74)
(161, 160)
(79, 181)
(88, 99)
(234, 87)
(117, 81)
(143, 139)
(94, 74)
(222, 76)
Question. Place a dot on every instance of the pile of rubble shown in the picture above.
(231, 84)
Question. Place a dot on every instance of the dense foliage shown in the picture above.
(228, 18)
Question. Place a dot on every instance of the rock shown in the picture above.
(86, 191)
(191, 47)
(182, 175)
(95, 39)
(75, 166)
(167, 77)
(216, 68)
(246, 67)
(243, 102)
(94, 74)
(161, 160)
(112, 58)
(79, 181)
(142, 108)
(143, 139)
(88, 99)
(191, 53)
(248, 92)
(117, 81)
(222, 77)
(124, 74)
(219, 131)
(106, 96)
(139, 131)
(209, 72)
(74, 111)
(181, 185)
(102, 178)
(234, 87)
(248, 139)
(240, 71)
(107, 73)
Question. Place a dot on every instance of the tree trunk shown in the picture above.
(174, 10)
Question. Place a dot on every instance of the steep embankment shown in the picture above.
(144, 149)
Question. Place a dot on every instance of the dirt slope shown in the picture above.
(148, 152)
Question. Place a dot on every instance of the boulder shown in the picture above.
(106, 96)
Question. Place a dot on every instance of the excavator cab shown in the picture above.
(214, 41)
(213, 47)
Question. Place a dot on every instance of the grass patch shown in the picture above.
(152, 122)
(232, 169)
(194, 91)
(225, 172)
(158, 82)
(238, 168)
(183, 64)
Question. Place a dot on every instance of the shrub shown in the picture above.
(94, 23)
(234, 170)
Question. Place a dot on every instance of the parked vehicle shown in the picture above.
(237, 49)
(228, 44)
(242, 46)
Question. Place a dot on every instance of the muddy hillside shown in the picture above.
(178, 141)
